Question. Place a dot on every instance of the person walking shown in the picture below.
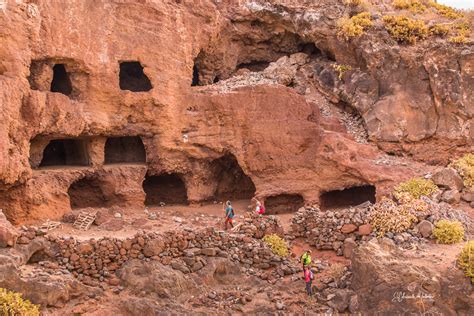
(306, 258)
(308, 278)
(259, 208)
(229, 214)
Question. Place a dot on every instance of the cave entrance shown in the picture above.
(133, 78)
(232, 182)
(195, 81)
(352, 196)
(165, 188)
(127, 149)
(87, 192)
(61, 82)
(65, 152)
(283, 203)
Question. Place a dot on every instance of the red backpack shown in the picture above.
(262, 209)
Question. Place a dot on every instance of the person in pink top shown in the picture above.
(308, 278)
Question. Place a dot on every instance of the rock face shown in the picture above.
(8, 233)
(192, 89)
(395, 282)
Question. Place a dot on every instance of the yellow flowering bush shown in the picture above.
(277, 245)
(466, 259)
(448, 232)
(354, 26)
(12, 304)
(415, 188)
(465, 167)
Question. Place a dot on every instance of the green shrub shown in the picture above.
(446, 11)
(341, 69)
(415, 187)
(439, 30)
(404, 29)
(466, 259)
(412, 5)
(448, 232)
(465, 167)
(12, 304)
(355, 26)
(386, 216)
(277, 245)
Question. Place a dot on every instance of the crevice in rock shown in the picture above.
(347, 197)
(165, 188)
(127, 149)
(283, 203)
(133, 78)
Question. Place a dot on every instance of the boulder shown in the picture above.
(153, 247)
(425, 228)
(448, 178)
(340, 300)
(349, 246)
(451, 196)
(386, 277)
(365, 230)
(468, 196)
(8, 233)
(348, 228)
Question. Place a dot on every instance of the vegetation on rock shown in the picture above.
(353, 2)
(448, 232)
(387, 216)
(412, 5)
(445, 10)
(415, 187)
(439, 30)
(12, 304)
(341, 69)
(277, 244)
(404, 29)
(465, 167)
(354, 26)
(466, 259)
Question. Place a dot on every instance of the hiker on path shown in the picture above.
(308, 278)
(229, 214)
(259, 208)
(306, 258)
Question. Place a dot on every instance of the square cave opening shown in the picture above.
(133, 78)
(166, 188)
(283, 203)
(348, 197)
(65, 152)
(127, 149)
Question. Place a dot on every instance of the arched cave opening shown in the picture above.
(38, 256)
(133, 78)
(166, 188)
(65, 152)
(232, 182)
(127, 149)
(87, 192)
(352, 196)
(283, 203)
(61, 82)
